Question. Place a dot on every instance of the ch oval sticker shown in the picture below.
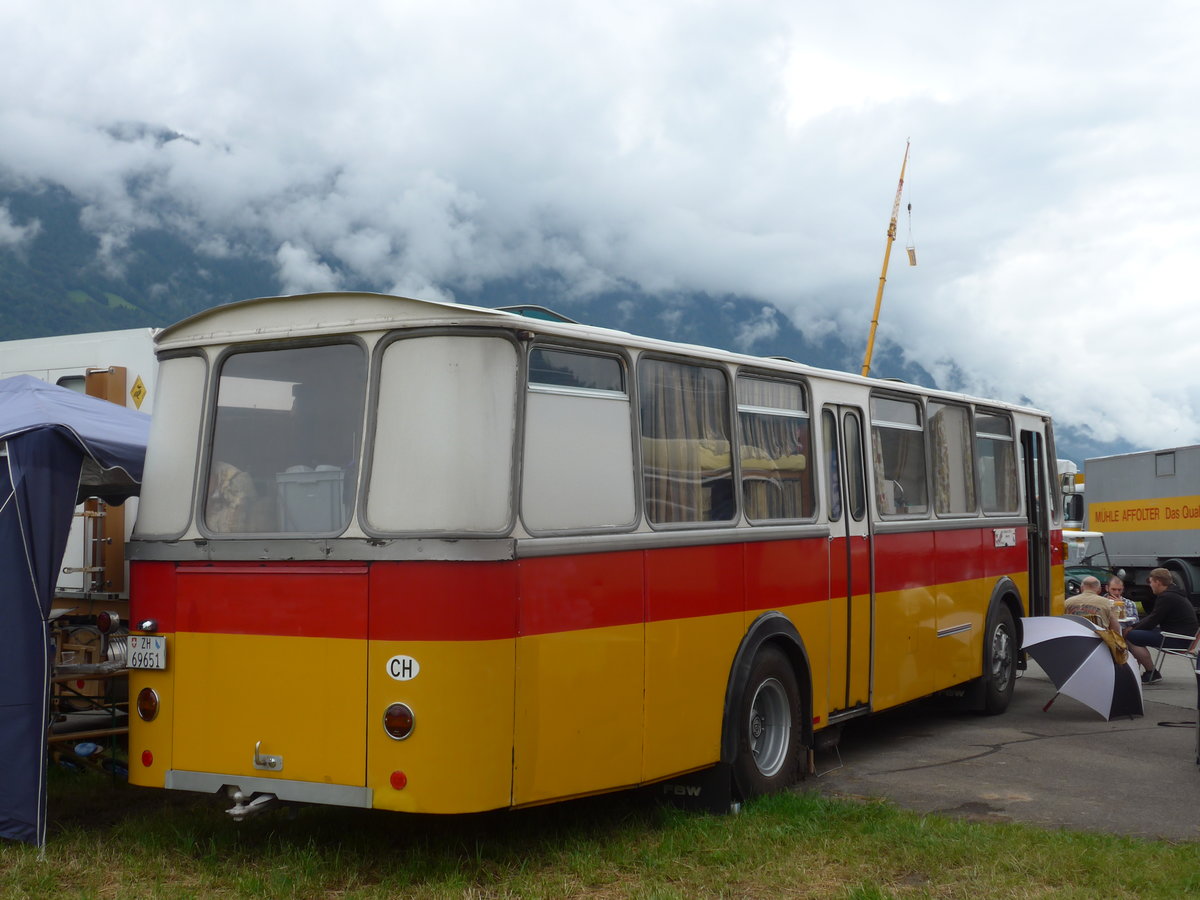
(403, 668)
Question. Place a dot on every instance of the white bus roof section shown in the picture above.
(301, 315)
(312, 314)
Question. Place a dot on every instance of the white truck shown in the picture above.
(1071, 482)
(1148, 506)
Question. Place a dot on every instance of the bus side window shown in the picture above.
(578, 471)
(898, 448)
(953, 470)
(774, 435)
(996, 452)
(686, 463)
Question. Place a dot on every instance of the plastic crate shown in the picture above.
(310, 501)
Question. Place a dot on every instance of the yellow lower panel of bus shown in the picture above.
(929, 639)
(1058, 590)
(905, 662)
(459, 756)
(150, 742)
(579, 723)
(687, 670)
(301, 699)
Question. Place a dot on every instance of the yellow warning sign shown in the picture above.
(1153, 514)
(138, 392)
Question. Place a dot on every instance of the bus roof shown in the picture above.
(340, 312)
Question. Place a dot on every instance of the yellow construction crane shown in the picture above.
(887, 254)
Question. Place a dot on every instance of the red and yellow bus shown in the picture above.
(436, 558)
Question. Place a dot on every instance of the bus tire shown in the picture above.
(768, 726)
(999, 660)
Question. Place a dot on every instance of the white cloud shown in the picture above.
(730, 148)
(300, 271)
(14, 236)
(763, 327)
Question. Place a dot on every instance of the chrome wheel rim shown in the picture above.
(1001, 657)
(770, 726)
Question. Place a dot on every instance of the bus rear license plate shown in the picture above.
(147, 651)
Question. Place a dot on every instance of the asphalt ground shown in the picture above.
(1063, 768)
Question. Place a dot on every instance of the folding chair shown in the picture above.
(1189, 653)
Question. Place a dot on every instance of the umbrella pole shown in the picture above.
(1051, 701)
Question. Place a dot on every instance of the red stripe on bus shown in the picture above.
(569, 593)
(685, 582)
(307, 600)
(443, 601)
(787, 573)
(944, 557)
(152, 594)
(960, 555)
(904, 561)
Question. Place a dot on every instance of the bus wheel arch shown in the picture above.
(770, 677)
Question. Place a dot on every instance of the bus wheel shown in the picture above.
(999, 660)
(768, 726)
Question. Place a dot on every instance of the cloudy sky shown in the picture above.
(745, 147)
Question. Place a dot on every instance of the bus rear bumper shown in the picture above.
(248, 786)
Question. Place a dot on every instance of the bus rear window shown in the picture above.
(286, 440)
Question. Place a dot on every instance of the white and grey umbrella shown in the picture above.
(1074, 656)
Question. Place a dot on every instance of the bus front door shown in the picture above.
(850, 591)
(1037, 507)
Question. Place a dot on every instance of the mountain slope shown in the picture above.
(58, 277)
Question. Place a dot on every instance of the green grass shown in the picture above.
(110, 840)
(116, 301)
(82, 298)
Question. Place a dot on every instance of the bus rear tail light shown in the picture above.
(398, 721)
(147, 704)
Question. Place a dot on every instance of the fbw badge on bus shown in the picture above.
(403, 668)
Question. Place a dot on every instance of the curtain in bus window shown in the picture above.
(996, 452)
(899, 456)
(286, 440)
(775, 436)
(1011, 492)
(998, 475)
(882, 495)
(856, 490)
(829, 441)
(954, 476)
(685, 443)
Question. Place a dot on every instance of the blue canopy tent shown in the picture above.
(61, 447)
